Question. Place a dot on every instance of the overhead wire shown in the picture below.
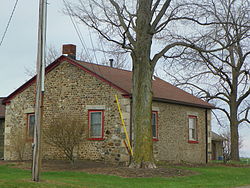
(110, 103)
(92, 40)
(93, 48)
(90, 35)
(69, 11)
(77, 30)
(92, 44)
(104, 54)
(8, 24)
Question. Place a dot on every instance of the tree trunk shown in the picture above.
(142, 89)
(234, 143)
(234, 132)
(233, 117)
(142, 109)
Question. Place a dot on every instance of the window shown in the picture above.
(192, 126)
(96, 124)
(31, 125)
(155, 125)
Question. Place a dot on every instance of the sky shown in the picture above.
(19, 48)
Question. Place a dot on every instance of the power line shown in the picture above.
(79, 34)
(6, 29)
(104, 54)
(81, 37)
(92, 44)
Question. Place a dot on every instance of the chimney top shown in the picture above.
(69, 50)
(111, 62)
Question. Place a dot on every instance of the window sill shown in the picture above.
(96, 139)
(193, 142)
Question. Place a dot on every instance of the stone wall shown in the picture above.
(69, 90)
(209, 136)
(173, 142)
(1, 137)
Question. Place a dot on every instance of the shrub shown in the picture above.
(19, 141)
(65, 133)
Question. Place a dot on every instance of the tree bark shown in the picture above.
(142, 109)
(142, 90)
(234, 123)
(234, 141)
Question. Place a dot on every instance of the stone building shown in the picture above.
(180, 121)
(217, 146)
(2, 117)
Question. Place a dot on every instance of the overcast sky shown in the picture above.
(18, 50)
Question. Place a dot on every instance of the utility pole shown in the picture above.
(36, 165)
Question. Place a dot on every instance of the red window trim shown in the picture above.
(29, 138)
(102, 126)
(193, 141)
(157, 136)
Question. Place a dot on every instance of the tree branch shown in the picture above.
(246, 119)
(160, 15)
(244, 96)
(123, 24)
(223, 110)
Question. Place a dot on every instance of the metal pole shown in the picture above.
(36, 165)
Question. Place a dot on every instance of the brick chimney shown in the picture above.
(69, 50)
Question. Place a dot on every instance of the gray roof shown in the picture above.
(216, 137)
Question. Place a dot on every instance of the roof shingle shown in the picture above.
(162, 90)
(122, 80)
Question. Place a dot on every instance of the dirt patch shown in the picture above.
(105, 168)
(132, 173)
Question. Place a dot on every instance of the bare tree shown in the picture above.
(52, 54)
(227, 145)
(119, 60)
(65, 132)
(219, 76)
(141, 28)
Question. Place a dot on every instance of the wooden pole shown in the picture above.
(36, 165)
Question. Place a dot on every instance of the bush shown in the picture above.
(65, 133)
(19, 141)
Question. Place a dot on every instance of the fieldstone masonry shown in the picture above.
(173, 134)
(70, 90)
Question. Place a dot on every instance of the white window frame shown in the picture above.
(192, 128)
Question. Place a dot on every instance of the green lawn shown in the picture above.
(243, 161)
(213, 176)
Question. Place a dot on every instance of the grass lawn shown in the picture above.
(211, 176)
(243, 161)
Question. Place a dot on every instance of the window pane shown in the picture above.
(31, 125)
(192, 128)
(190, 134)
(154, 125)
(193, 134)
(191, 122)
(95, 124)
